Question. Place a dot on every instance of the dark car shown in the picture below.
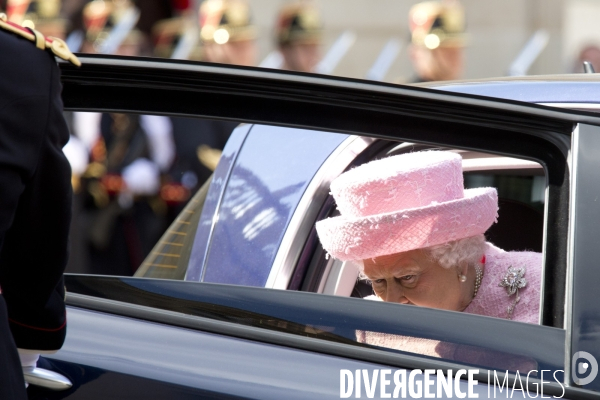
(204, 318)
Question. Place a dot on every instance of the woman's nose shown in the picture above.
(395, 294)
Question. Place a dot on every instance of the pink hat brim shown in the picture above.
(361, 238)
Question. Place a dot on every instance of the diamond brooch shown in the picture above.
(513, 280)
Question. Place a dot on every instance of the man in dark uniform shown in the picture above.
(35, 202)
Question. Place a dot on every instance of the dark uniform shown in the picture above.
(35, 200)
(121, 233)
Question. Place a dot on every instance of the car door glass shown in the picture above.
(431, 334)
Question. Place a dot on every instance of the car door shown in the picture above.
(393, 113)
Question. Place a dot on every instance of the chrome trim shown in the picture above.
(544, 243)
(497, 163)
(328, 269)
(568, 323)
(46, 379)
(574, 106)
(308, 207)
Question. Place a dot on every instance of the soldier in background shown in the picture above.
(227, 33)
(123, 214)
(438, 39)
(228, 37)
(41, 15)
(299, 36)
(99, 19)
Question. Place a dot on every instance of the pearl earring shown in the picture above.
(462, 278)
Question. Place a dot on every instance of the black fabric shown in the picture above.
(520, 227)
(191, 133)
(12, 384)
(119, 237)
(35, 198)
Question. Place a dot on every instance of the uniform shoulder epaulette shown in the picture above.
(56, 45)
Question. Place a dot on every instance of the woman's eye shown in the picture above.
(407, 280)
(378, 281)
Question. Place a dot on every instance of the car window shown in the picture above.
(338, 325)
(252, 223)
(255, 211)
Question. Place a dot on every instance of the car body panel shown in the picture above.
(532, 92)
(193, 359)
(273, 167)
(306, 315)
(570, 89)
(214, 197)
(584, 317)
(191, 364)
(290, 99)
(152, 351)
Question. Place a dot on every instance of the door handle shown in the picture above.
(46, 379)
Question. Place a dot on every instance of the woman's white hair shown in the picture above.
(452, 254)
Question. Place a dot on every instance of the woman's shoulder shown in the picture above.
(498, 259)
(502, 267)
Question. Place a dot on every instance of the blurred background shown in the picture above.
(134, 174)
(497, 31)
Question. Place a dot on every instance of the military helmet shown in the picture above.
(299, 23)
(223, 21)
(41, 15)
(436, 24)
(95, 17)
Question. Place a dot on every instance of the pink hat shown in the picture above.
(402, 203)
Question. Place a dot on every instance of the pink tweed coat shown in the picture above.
(492, 300)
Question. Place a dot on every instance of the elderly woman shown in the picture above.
(419, 235)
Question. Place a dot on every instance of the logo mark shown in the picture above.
(581, 367)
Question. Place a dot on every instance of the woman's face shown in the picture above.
(413, 277)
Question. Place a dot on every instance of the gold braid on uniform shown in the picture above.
(58, 46)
